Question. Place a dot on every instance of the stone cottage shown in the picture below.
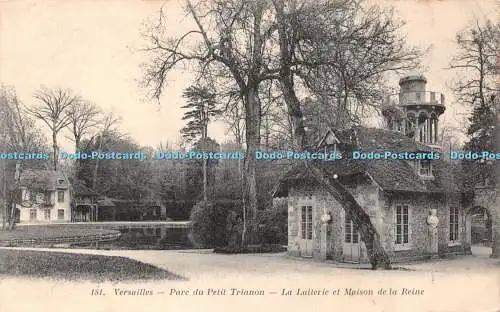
(44, 197)
(399, 195)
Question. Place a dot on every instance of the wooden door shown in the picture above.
(306, 227)
(352, 245)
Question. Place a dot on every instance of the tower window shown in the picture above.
(425, 168)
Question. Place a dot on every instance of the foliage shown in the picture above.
(483, 135)
(201, 109)
(123, 179)
(217, 224)
(273, 223)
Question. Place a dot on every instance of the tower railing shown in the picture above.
(416, 98)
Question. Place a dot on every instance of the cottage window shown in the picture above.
(402, 225)
(60, 214)
(47, 198)
(46, 214)
(351, 232)
(32, 214)
(425, 168)
(60, 196)
(454, 217)
(306, 222)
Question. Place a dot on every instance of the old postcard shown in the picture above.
(212, 155)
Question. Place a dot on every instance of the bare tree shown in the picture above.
(231, 43)
(477, 68)
(476, 63)
(248, 43)
(54, 105)
(82, 119)
(109, 126)
(17, 133)
(382, 50)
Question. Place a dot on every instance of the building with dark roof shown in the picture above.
(48, 196)
(44, 197)
(396, 193)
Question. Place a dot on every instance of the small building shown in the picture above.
(84, 203)
(48, 196)
(44, 197)
(397, 194)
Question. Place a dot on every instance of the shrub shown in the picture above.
(273, 224)
(219, 225)
(216, 224)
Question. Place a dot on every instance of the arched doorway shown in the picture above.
(481, 231)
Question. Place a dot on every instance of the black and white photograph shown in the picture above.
(204, 155)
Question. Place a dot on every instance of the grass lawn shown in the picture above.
(68, 266)
(46, 234)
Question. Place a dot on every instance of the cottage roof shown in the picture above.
(47, 180)
(390, 175)
(105, 202)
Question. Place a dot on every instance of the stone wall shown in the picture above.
(489, 198)
(380, 207)
(420, 206)
(332, 248)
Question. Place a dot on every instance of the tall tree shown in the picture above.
(477, 69)
(376, 38)
(18, 132)
(232, 37)
(246, 43)
(108, 130)
(82, 119)
(201, 107)
(53, 107)
(476, 63)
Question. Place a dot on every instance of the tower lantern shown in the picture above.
(416, 111)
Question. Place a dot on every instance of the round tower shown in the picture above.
(416, 111)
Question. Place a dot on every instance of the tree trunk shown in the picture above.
(77, 161)
(376, 253)
(204, 147)
(96, 167)
(252, 121)
(12, 201)
(378, 257)
(4, 195)
(495, 213)
(55, 148)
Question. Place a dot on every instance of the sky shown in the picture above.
(92, 47)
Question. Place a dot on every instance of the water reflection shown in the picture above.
(149, 238)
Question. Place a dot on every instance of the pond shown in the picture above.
(165, 238)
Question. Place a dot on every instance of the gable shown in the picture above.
(390, 175)
(329, 139)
